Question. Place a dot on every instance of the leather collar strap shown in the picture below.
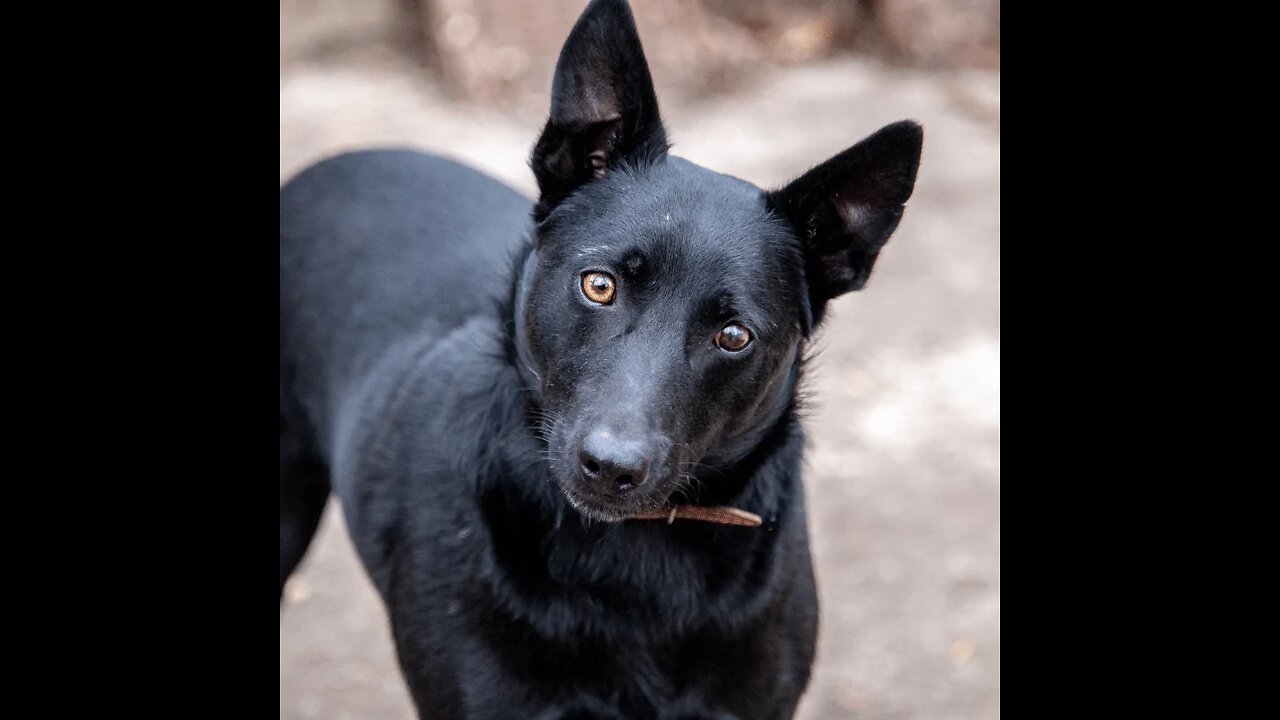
(723, 515)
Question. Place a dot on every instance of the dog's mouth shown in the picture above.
(602, 508)
(609, 510)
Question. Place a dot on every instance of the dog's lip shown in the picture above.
(613, 509)
(596, 507)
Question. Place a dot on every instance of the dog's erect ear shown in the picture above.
(846, 208)
(603, 108)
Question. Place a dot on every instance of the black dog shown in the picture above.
(498, 395)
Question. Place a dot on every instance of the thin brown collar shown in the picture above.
(721, 514)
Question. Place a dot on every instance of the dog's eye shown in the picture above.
(733, 338)
(599, 287)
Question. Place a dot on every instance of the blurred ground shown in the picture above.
(903, 471)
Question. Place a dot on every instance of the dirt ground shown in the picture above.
(903, 471)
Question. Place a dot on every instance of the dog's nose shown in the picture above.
(613, 464)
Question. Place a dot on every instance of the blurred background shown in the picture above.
(903, 470)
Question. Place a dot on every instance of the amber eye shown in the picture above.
(733, 338)
(599, 287)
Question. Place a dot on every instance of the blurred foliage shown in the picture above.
(493, 50)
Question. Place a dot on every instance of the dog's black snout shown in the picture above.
(613, 464)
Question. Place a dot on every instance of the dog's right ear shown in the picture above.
(603, 107)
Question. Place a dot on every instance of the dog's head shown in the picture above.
(666, 307)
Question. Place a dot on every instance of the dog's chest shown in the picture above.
(632, 675)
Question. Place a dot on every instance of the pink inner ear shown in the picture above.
(599, 104)
(855, 214)
(597, 163)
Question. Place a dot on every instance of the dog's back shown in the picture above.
(377, 247)
(381, 251)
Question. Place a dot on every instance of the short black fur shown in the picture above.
(489, 429)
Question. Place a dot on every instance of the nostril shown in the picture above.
(633, 478)
(592, 467)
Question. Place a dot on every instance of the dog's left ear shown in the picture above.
(846, 208)
(603, 107)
